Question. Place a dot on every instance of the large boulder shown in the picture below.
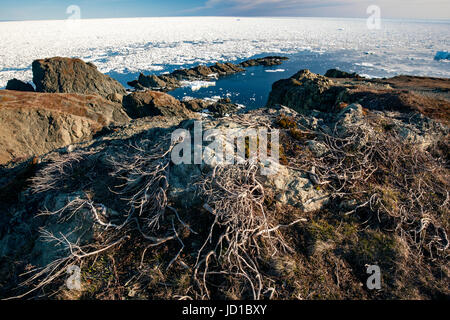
(66, 75)
(19, 85)
(304, 91)
(151, 81)
(36, 123)
(154, 103)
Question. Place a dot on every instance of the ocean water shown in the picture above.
(124, 47)
(251, 88)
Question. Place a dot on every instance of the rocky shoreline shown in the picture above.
(86, 179)
(175, 79)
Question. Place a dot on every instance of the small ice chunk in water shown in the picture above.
(197, 85)
(275, 70)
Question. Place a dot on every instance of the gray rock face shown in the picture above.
(80, 226)
(66, 75)
(19, 85)
(153, 103)
(296, 189)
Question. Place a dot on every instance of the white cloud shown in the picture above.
(390, 8)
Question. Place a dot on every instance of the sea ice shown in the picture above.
(198, 84)
(125, 46)
(275, 70)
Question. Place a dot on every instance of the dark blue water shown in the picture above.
(252, 87)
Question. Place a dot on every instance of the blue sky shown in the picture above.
(56, 9)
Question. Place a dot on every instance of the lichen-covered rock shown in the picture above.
(295, 189)
(67, 75)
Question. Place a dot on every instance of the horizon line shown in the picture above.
(232, 16)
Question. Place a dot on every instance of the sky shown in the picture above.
(89, 9)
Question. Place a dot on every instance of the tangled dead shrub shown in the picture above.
(243, 230)
(398, 186)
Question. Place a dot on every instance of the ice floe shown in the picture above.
(133, 45)
(198, 84)
(275, 70)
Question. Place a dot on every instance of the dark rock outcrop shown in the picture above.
(308, 91)
(19, 85)
(218, 109)
(335, 73)
(221, 109)
(135, 84)
(226, 69)
(66, 75)
(36, 123)
(204, 73)
(161, 83)
(304, 91)
(154, 103)
(266, 61)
